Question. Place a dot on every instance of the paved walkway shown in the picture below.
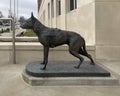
(11, 84)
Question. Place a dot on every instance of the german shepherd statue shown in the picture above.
(52, 37)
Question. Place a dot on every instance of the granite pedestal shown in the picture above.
(66, 69)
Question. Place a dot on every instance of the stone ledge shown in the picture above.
(108, 52)
(35, 46)
(19, 39)
(33, 51)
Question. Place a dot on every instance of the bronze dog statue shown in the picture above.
(52, 37)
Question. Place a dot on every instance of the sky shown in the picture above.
(25, 7)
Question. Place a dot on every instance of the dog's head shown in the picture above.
(29, 23)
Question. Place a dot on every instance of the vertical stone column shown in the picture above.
(61, 19)
(107, 20)
(54, 19)
(63, 12)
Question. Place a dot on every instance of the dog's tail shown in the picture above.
(84, 49)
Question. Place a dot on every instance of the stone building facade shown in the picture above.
(97, 21)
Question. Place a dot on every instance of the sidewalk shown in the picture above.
(11, 84)
(113, 66)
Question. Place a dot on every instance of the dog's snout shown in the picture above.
(22, 25)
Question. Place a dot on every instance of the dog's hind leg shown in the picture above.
(90, 57)
(74, 53)
(84, 53)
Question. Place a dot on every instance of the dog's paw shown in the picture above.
(42, 68)
(76, 67)
(42, 63)
(92, 63)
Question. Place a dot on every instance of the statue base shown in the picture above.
(63, 73)
(66, 69)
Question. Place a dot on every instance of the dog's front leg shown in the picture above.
(43, 63)
(46, 52)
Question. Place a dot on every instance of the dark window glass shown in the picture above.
(59, 7)
(43, 16)
(48, 10)
(73, 4)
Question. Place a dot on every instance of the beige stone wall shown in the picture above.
(107, 19)
(80, 20)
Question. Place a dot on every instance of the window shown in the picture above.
(48, 10)
(73, 4)
(59, 7)
(44, 17)
(52, 8)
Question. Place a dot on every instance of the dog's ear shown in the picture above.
(32, 16)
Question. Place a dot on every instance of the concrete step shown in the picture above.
(68, 81)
